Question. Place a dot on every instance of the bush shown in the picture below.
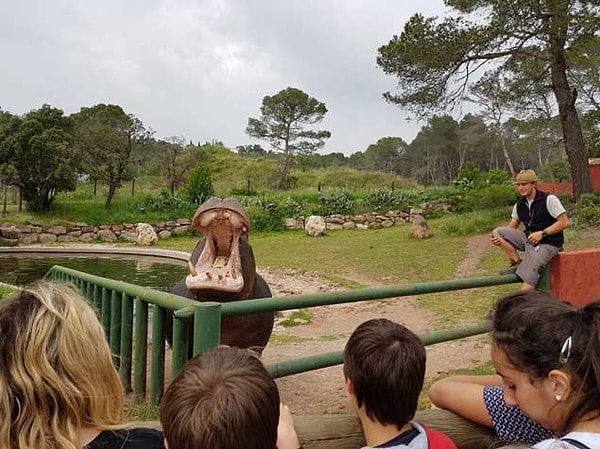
(383, 200)
(199, 186)
(334, 203)
(165, 203)
(468, 176)
(497, 177)
(588, 209)
(265, 215)
(492, 196)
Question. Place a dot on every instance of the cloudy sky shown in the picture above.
(200, 68)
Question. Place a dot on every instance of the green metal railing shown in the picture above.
(124, 310)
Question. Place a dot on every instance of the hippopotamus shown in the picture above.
(222, 268)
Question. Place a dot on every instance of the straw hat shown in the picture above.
(527, 176)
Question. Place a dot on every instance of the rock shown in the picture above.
(128, 236)
(8, 242)
(57, 230)
(146, 235)
(292, 223)
(47, 238)
(11, 233)
(164, 234)
(315, 225)
(107, 235)
(419, 227)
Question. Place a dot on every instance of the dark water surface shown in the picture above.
(145, 271)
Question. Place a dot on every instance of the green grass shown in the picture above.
(298, 318)
(360, 258)
(280, 339)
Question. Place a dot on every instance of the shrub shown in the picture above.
(492, 196)
(199, 186)
(334, 203)
(381, 200)
(468, 176)
(165, 203)
(588, 209)
(497, 177)
(265, 215)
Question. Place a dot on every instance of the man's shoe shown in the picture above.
(512, 269)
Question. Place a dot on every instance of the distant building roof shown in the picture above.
(594, 161)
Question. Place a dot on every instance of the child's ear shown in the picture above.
(350, 386)
(560, 384)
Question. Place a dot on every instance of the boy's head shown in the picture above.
(222, 399)
(384, 367)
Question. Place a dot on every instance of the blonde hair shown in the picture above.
(56, 371)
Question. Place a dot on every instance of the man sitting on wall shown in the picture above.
(544, 218)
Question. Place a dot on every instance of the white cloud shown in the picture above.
(200, 68)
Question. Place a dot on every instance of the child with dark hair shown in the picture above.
(226, 399)
(547, 356)
(384, 368)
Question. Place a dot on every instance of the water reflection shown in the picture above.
(140, 270)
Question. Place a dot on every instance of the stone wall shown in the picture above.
(372, 220)
(26, 234)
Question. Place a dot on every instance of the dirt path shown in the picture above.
(323, 391)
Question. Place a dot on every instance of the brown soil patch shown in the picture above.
(323, 391)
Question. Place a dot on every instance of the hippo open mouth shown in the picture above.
(219, 266)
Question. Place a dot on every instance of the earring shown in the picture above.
(558, 398)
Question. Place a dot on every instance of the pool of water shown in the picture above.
(158, 273)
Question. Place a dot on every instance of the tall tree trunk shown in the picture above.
(507, 159)
(569, 119)
(112, 188)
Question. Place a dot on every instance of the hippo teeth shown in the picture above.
(192, 268)
(220, 262)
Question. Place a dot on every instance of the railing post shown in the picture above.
(105, 312)
(96, 298)
(157, 376)
(141, 348)
(207, 326)
(180, 343)
(115, 327)
(126, 340)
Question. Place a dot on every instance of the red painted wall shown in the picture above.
(559, 188)
(574, 276)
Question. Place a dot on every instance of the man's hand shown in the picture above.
(495, 239)
(535, 237)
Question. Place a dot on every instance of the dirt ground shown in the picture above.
(322, 391)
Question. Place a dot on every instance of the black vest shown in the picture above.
(537, 218)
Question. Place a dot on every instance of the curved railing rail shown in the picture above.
(125, 313)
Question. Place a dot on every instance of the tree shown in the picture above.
(175, 160)
(251, 150)
(282, 124)
(386, 155)
(476, 145)
(435, 61)
(107, 139)
(37, 151)
(489, 93)
(434, 153)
